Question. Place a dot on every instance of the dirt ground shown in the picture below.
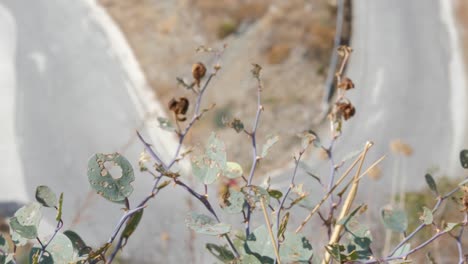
(292, 40)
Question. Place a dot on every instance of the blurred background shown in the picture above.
(79, 77)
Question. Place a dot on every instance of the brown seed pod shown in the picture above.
(198, 72)
(345, 109)
(346, 84)
(172, 105)
(179, 107)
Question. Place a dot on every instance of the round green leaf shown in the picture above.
(295, 249)
(233, 170)
(25, 231)
(427, 216)
(395, 220)
(76, 240)
(206, 170)
(26, 220)
(271, 140)
(204, 224)
(403, 250)
(275, 193)
(221, 253)
(259, 242)
(209, 166)
(235, 202)
(45, 196)
(17, 239)
(60, 250)
(111, 188)
(431, 183)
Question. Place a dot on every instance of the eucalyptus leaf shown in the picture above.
(427, 216)
(26, 220)
(45, 196)
(17, 239)
(109, 187)
(259, 243)
(294, 248)
(132, 224)
(76, 240)
(60, 250)
(221, 253)
(25, 231)
(271, 140)
(431, 183)
(403, 250)
(275, 194)
(204, 224)
(395, 220)
(233, 170)
(165, 124)
(464, 158)
(360, 239)
(451, 226)
(209, 166)
(235, 202)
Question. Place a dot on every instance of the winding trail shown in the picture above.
(410, 85)
(71, 87)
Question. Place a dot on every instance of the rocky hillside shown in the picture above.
(292, 40)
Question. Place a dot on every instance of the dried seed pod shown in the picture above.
(344, 50)
(198, 72)
(184, 105)
(256, 70)
(345, 109)
(346, 84)
(172, 105)
(179, 107)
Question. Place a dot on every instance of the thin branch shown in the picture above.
(253, 137)
(403, 256)
(270, 231)
(458, 239)
(291, 185)
(44, 246)
(182, 135)
(440, 199)
(325, 197)
(347, 205)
